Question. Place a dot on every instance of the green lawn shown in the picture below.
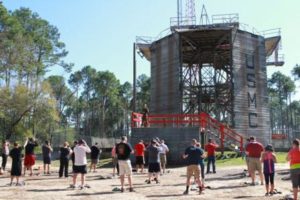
(232, 160)
(236, 161)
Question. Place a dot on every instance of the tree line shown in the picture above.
(89, 101)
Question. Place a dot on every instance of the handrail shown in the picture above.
(202, 120)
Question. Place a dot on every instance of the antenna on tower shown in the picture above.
(190, 12)
(179, 12)
(204, 19)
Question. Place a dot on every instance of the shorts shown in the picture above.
(125, 167)
(154, 168)
(193, 170)
(295, 177)
(79, 169)
(269, 178)
(163, 159)
(255, 165)
(29, 160)
(47, 160)
(94, 161)
(139, 160)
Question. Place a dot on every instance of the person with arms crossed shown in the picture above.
(123, 151)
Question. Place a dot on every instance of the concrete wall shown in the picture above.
(177, 139)
(251, 111)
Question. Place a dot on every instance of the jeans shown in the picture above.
(4, 160)
(202, 169)
(211, 160)
(64, 167)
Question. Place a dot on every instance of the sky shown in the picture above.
(101, 33)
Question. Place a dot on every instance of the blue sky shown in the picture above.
(101, 33)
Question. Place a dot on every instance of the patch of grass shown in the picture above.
(237, 161)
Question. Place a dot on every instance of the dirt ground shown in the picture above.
(228, 183)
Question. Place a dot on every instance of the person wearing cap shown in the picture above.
(80, 163)
(269, 159)
(254, 150)
(294, 159)
(153, 161)
(193, 154)
(123, 151)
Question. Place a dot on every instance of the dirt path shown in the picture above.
(228, 183)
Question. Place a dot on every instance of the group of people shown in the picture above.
(263, 159)
(77, 154)
(258, 158)
(155, 153)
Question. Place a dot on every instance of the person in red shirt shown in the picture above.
(210, 148)
(254, 150)
(294, 158)
(139, 155)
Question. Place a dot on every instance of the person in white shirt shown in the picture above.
(80, 163)
(163, 155)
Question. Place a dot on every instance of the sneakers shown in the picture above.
(81, 187)
(148, 182)
(72, 186)
(186, 192)
(131, 190)
(122, 190)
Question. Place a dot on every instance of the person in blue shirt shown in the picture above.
(193, 155)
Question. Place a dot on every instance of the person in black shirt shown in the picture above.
(65, 152)
(95, 154)
(145, 116)
(29, 160)
(16, 167)
(123, 151)
(46, 151)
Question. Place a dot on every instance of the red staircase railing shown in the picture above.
(202, 120)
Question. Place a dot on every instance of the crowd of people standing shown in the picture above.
(258, 159)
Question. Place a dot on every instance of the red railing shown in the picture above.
(201, 120)
(279, 136)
